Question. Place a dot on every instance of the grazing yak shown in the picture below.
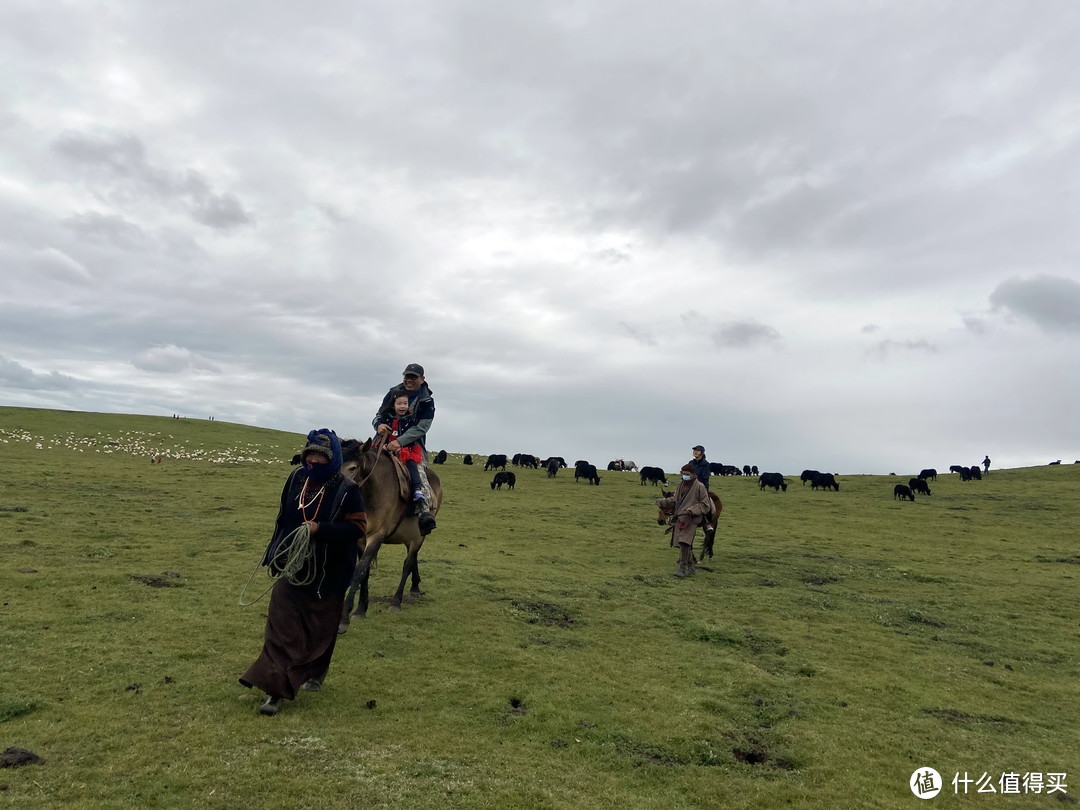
(495, 462)
(956, 468)
(808, 475)
(929, 474)
(504, 477)
(902, 493)
(976, 472)
(467, 460)
(824, 481)
(440, 457)
(774, 480)
(919, 485)
(716, 468)
(557, 459)
(746, 470)
(527, 460)
(652, 475)
(552, 467)
(586, 471)
(753, 469)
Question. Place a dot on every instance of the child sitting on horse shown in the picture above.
(410, 454)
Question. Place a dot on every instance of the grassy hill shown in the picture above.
(836, 643)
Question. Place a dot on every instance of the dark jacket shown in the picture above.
(421, 406)
(342, 521)
(701, 469)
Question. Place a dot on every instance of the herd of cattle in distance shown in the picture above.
(656, 476)
(587, 471)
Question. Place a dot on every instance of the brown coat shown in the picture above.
(689, 506)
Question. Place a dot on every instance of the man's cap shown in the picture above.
(698, 447)
(413, 368)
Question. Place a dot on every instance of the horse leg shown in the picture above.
(359, 583)
(415, 589)
(363, 574)
(350, 596)
(410, 567)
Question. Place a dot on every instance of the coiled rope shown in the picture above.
(294, 552)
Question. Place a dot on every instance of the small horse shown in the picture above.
(710, 520)
(388, 521)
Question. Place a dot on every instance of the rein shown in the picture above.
(377, 446)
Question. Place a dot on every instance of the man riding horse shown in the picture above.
(422, 408)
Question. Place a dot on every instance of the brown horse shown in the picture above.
(710, 520)
(388, 521)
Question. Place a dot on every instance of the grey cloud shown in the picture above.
(172, 359)
(975, 325)
(121, 160)
(642, 336)
(16, 375)
(744, 334)
(870, 328)
(58, 265)
(107, 229)
(886, 347)
(1051, 302)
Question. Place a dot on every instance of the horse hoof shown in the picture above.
(394, 608)
(342, 629)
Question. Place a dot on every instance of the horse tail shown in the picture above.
(707, 543)
(713, 518)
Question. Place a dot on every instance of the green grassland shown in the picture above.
(836, 642)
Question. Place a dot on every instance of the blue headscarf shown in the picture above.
(323, 441)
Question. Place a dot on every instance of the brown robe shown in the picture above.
(302, 620)
(691, 504)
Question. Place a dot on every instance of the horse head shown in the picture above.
(664, 514)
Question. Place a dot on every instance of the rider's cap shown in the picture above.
(698, 447)
(413, 368)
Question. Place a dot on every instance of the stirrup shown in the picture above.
(427, 523)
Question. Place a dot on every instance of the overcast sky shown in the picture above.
(836, 235)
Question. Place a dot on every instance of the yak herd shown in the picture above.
(656, 476)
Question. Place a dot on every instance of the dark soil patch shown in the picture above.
(170, 579)
(1073, 560)
(957, 716)
(752, 754)
(14, 757)
(818, 579)
(544, 613)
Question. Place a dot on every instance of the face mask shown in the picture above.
(687, 477)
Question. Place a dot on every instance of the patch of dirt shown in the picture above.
(544, 613)
(957, 716)
(169, 579)
(818, 579)
(14, 757)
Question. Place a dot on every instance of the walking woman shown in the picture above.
(688, 507)
(313, 554)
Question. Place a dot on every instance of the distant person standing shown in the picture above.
(986, 464)
(701, 469)
(700, 465)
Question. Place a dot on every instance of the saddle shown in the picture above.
(405, 485)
